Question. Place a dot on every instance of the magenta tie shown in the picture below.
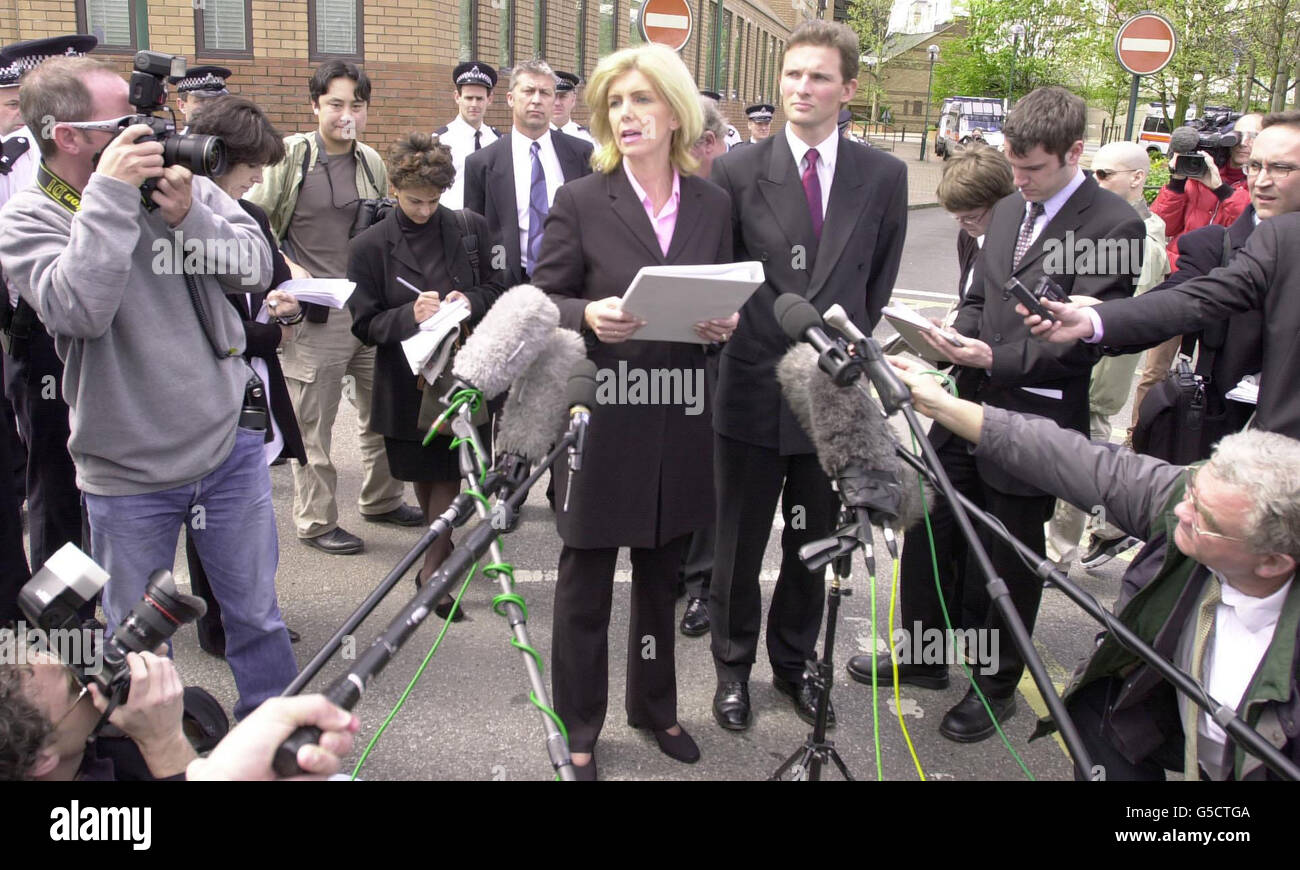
(812, 190)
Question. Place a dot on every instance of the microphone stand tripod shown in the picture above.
(505, 517)
(895, 396)
(837, 551)
(347, 689)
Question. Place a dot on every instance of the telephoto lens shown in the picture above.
(152, 621)
(202, 155)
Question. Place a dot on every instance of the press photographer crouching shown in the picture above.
(167, 419)
(1212, 591)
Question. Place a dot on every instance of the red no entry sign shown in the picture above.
(1145, 43)
(667, 22)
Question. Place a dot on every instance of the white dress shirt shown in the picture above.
(460, 138)
(574, 129)
(1053, 205)
(520, 149)
(827, 151)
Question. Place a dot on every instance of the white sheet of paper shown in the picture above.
(333, 292)
(672, 299)
(428, 350)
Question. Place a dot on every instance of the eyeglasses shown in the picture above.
(1103, 174)
(112, 125)
(1196, 509)
(1275, 170)
(972, 220)
(74, 685)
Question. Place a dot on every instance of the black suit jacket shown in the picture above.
(263, 339)
(383, 311)
(647, 474)
(1264, 276)
(855, 264)
(1019, 359)
(968, 255)
(490, 190)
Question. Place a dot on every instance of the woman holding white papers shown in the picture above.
(436, 250)
(251, 143)
(647, 477)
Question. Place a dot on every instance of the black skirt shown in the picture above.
(412, 461)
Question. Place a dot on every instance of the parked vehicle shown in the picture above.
(963, 119)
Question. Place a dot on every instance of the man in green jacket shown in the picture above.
(1212, 590)
(312, 198)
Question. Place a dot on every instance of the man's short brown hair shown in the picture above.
(974, 178)
(56, 91)
(1289, 118)
(1052, 117)
(830, 34)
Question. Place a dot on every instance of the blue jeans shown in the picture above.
(233, 524)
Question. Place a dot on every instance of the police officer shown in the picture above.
(760, 121)
(467, 132)
(33, 374)
(846, 127)
(198, 84)
(733, 137)
(566, 97)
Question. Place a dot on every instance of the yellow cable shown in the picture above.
(898, 701)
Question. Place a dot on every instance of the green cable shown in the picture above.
(498, 606)
(418, 673)
(934, 561)
(468, 395)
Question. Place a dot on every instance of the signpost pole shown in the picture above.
(1132, 109)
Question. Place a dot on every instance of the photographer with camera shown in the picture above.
(49, 718)
(167, 419)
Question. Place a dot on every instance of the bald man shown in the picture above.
(1121, 168)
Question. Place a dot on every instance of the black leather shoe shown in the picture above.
(680, 747)
(336, 542)
(731, 706)
(695, 621)
(406, 515)
(805, 699)
(442, 608)
(969, 723)
(925, 676)
(294, 636)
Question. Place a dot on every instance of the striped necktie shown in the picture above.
(1200, 643)
(537, 208)
(1026, 236)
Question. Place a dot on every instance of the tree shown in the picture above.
(870, 19)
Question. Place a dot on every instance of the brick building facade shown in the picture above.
(409, 47)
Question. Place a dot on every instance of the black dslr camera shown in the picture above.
(202, 155)
(68, 581)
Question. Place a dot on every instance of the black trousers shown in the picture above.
(697, 563)
(16, 451)
(584, 593)
(35, 386)
(13, 559)
(1089, 709)
(212, 634)
(963, 586)
(749, 481)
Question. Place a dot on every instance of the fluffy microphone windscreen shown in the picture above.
(1183, 140)
(792, 373)
(536, 409)
(507, 340)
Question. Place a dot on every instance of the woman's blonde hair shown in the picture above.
(671, 80)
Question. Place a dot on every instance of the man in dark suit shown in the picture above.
(512, 182)
(826, 217)
(1063, 226)
(1263, 277)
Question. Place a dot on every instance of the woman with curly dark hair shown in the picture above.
(419, 244)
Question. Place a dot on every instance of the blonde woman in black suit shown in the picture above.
(647, 478)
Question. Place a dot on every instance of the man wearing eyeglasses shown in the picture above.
(1213, 590)
(1121, 168)
(166, 424)
(1262, 278)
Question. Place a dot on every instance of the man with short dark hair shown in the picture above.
(467, 132)
(1057, 222)
(155, 445)
(513, 181)
(312, 198)
(566, 97)
(827, 218)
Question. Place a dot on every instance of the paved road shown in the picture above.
(469, 716)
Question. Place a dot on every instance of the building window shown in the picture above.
(223, 27)
(698, 35)
(762, 65)
(736, 61)
(506, 35)
(539, 28)
(725, 81)
(580, 42)
(634, 36)
(335, 29)
(608, 37)
(715, 66)
(916, 107)
(112, 22)
(468, 30)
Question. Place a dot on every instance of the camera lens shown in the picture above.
(202, 155)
